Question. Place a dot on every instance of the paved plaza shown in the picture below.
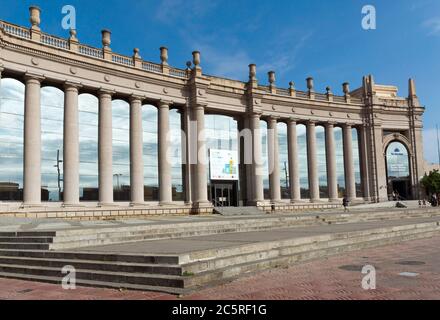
(337, 277)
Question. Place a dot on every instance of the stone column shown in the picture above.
(32, 141)
(257, 166)
(165, 183)
(105, 150)
(363, 155)
(201, 192)
(136, 152)
(312, 162)
(332, 178)
(295, 189)
(71, 145)
(350, 181)
(274, 166)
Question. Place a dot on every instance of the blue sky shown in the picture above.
(296, 38)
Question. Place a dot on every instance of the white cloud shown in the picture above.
(170, 11)
(430, 145)
(433, 25)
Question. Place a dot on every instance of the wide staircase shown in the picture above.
(40, 256)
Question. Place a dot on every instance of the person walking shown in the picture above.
(345, 203)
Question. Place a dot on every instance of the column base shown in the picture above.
(334, 200)
(102, 204)
(296, 201)
(31, 205)
(138, 204)
(257, 203)
(72, 205)
(166, 204)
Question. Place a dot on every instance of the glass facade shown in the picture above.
(11, 139)
(357, 163)
(121, 150)
(52, 119)
(339, 152)
(175, 154)
(302, 161)
(221, 133)
(265, 158)
(322, 161)
(283, 154)
(88, 147)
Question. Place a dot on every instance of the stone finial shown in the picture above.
(346, 88)
(196, 59)
(73, 36)
(252, 71)
(272, 79)
(412, 88)
(292, 89)
(136, 53)
(106, 38)
(292, 85)
(310, 84)
(35, 19)
(164, 55)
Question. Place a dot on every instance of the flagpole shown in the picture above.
(438, 146)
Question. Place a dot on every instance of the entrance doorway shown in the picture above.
(398, 171)
(224, 193)
(402, 188)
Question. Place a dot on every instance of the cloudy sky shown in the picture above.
(296, 38)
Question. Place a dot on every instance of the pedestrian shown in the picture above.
(345, 203)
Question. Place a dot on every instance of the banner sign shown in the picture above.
(223, 165)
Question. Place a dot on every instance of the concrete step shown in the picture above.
(92, 256)
(96, 275)
(24, 246)
(229, 272)
(29, 234)
(198, 268)
(83, 238)
(94, 283)
(26, 239)
(125, 267)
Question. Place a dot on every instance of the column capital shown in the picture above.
(1, 69)
(72, 85)
(330, 123)
(311, 122)
(135, 98)
(33, 77)
(199, 106)
(163, 103)
(292, 120)
(103, 91)
(254, 114)
(271, 118)
(347, 125)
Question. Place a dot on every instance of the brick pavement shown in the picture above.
(318, 279)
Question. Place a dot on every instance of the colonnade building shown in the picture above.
(84, 128)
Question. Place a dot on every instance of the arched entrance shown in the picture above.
(398, 170)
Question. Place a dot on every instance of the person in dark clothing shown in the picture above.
(345, 203)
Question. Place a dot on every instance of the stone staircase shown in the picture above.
(40, 256)
(238, 211)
